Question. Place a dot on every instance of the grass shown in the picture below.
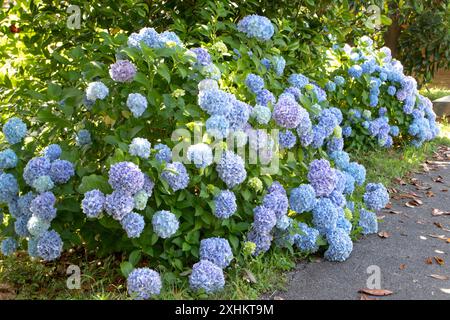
(101, 279)
(434, 93)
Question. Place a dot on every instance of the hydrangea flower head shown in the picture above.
(140, 147)
(355, 71)
(164, 154)
(165, 224)
(20, 226)
(264, 219)
(52, 152)
(215, 101)
(61, 171)
(83, 138)
(8, 246)
(307, 240)
(261, 114)
(225, 204)
(322, 177)
(340, 245)
(231, 169)
(200, 155)
(14, 130)
(298, 80)
(218, 126)
(262, 240)
(133, 223)
(122, 71)
(43, 183)
(137, 104)
(143, 283)
(202, 56)
(118, 204)
(238, 115)
(96, 91)
(277, 202)
(37, 226)
(216, 250)
(287, 139)
(287, 112)
(49, 245)
(8, 159)
(376, 196)
(93, 203)
(176, 175)
(206, 276)
(208, 84)
(302, 198)
(325, 215)
(368, 221)
(255, 26)
(357, 171)
(126, 177)
(42, 206)
(9, 187)
(254, 82)
(140, 200)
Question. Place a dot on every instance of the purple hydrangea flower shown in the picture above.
(287, 112)
(176, 175)
(49, 246)
(264, 219)
(143, 283)
(42, 206)
(206, 276)
(217, 251)
(122, 71)
(225, 204)
(61, 171)
(126, 177)
(133, 223)
(93, 203)
(231, 169)
(322, 177)
(118, 204)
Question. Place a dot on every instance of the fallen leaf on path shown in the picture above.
(388, 206)
(444, 190)
(440, 226)
(430, 194)
(439, 260)
(278, 298)
(439, 277)
(395, 212)
(383, 234)
(366, 297)
(402, 266)
(438, 179)
(429, 260)
(414, 203)
(376, 292)
(438, 236)
(400, 181)
(439, 212)
(423, 187)
(445, 290)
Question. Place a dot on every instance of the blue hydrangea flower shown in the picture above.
(329, 119)
(143, 283)
(287, 139)
(165, 224)
(231, 169)
(279, 65)
(298, 80)
(52, 152)
(357, 171)
(368, 221)
(217, 251)
(122, 71)
(176, 175)
(343, 223)
(148, 36)
(148, 185)
(392, 90)
(287, 112)
(126, 177)
(349, 184)
(164, 154)
(330, 86)
(225, 204)
(96, 90)
(218, 126)
(238, 115)
(206, 276)
(118, 204)
(49, 246)
(24, 204)
(337, 198)
(264, 97)
(61, 171)
(20, 226)
(42, 206)
(277, 202)
(265, 62)
(264, 219)
(202, 56)
(325, 215)
(8, 187)
(83, 138)
(8, 246)
(307, 240)
(261, 114)
(43, 183)
(355, 71)
(14, 130)
(140, 147)
(35, 168)
(137, 104)
(376, 196)
(284, 222)
(255, 26)
(302, 198)
(340, 81)
(347, 131)
(262, 240)
(341, 245)
(215, 101)
(394, 130)
(200, 154)
(335, 144)
(207, 84)
(133, 223)
(254, 82)
(32, 248)
(37, 226)
(93, 203)
(322, 177)
(8, 159)
(211, 71)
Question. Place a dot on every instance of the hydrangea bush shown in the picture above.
(144, 156)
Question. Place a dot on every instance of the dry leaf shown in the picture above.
(429, 260)
(249, 276)
(366, 297)
(402, 266)
(400, 181)
(439, 260)
(430, 194)
(444, 190)
(376, 292)
(439, 212)
(388, 206)
(278, 298)
(414, 203)
(383, 234)
(439, 277)
(438, 236)
(395, 212)
(438, 179)
(445, 290)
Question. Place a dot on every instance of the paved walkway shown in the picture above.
(416, 247)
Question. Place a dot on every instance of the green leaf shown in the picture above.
(92, 182)
(53, 91)
(135, 257)
(126, 268)
(164, 72)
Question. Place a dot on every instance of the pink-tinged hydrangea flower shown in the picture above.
(122, 71)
